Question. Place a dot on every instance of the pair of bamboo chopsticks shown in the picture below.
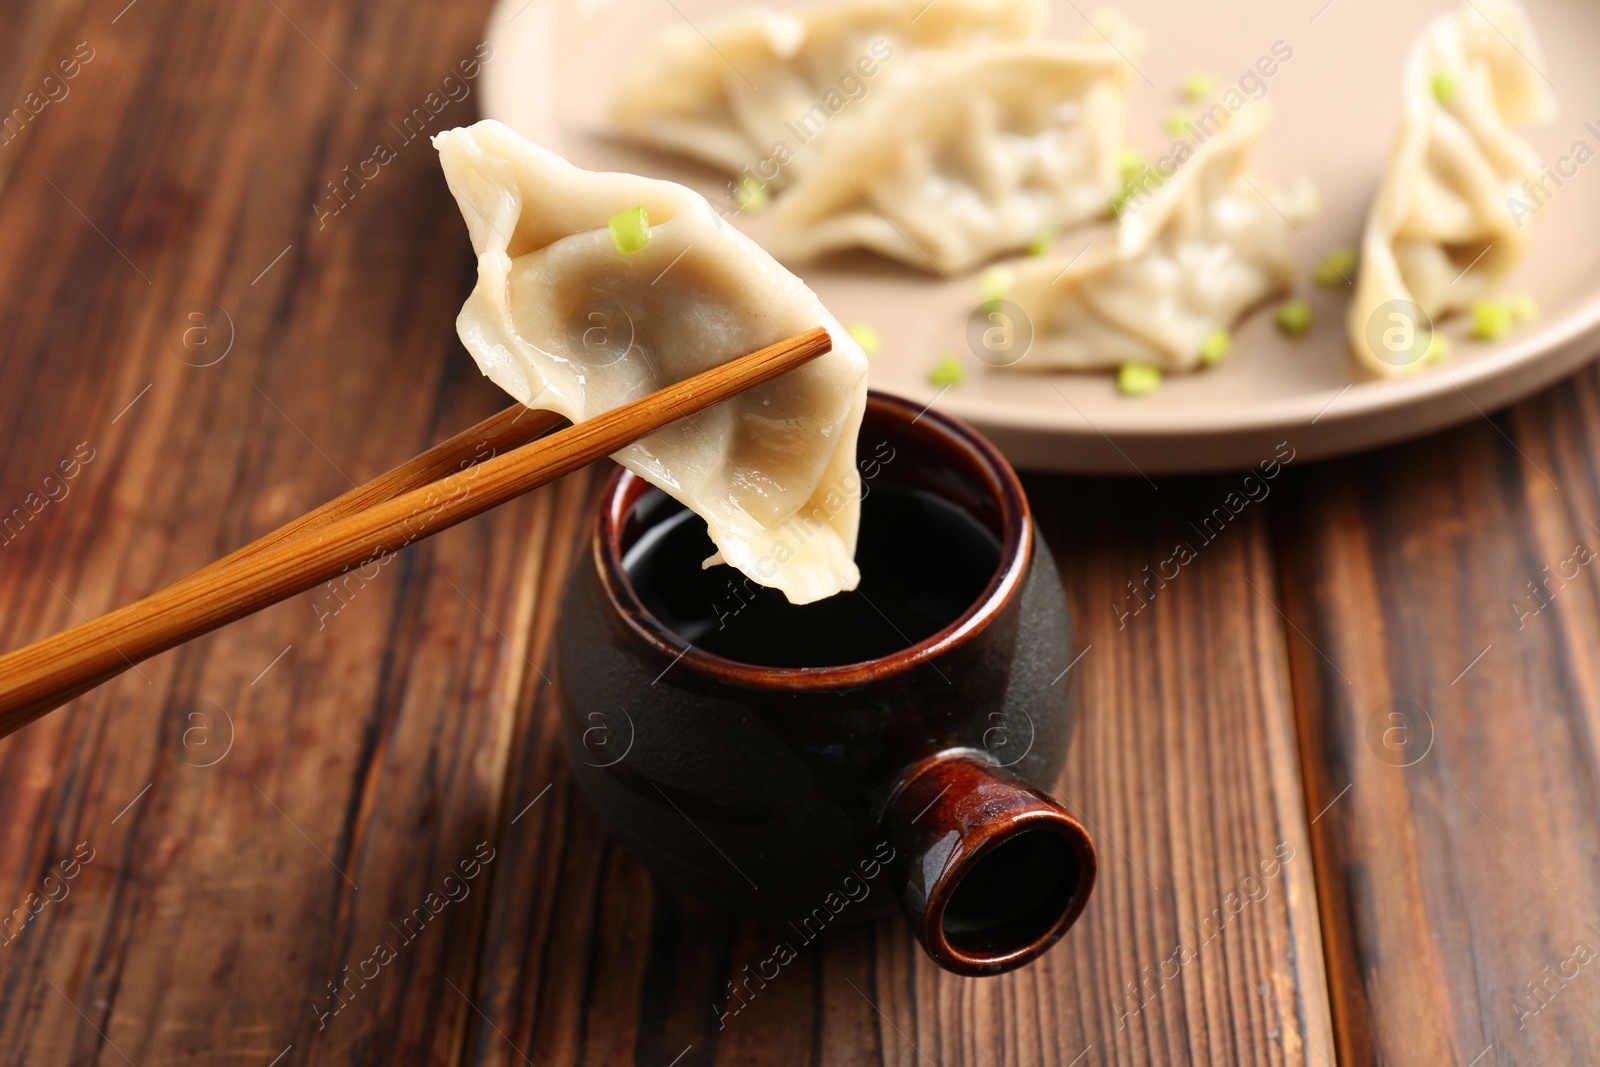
(436, 490)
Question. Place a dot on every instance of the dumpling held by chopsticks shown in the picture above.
(595, 289)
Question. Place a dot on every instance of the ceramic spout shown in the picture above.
(992, 871)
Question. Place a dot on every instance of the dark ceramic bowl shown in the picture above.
(821, 795)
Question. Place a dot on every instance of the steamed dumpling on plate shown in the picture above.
(754, 91)
(978, 155)
(1205, 248)
(1443, 231)
(563, 319)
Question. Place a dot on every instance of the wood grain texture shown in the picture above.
(369, 723)
(1188, 782)
(40, 63)
(1449, 711)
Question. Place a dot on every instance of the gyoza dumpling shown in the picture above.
(1442, 231)
(754, 90)
(562, 320)
(1204, 248)
(978, 155)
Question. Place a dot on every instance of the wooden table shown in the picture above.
(1353, 678)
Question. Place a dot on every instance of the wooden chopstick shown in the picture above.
(501, 432)
(43, 675)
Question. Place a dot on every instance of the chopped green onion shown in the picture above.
(1130, 163)
(1041, 242)
(1199, 85)
(1143, 177)
(1491, 319)
(751, 192)
(1336, 268)
(1177, 123)
(1138, 379)
(1215, 347)
(1136, 180)
(1444, 87)
(865, 336)
(1294, 318)
(995, 284)
(948, 371)
(1438, 348)
(630, 231)
(1523, 309)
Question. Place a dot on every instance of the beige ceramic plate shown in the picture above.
(1336, 104)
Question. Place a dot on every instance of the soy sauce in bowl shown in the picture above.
(923, 562)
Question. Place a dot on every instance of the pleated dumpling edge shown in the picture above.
(563, 319)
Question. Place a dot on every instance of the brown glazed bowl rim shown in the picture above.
(983, 461)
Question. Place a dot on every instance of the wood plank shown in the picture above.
(1457, 862)
(41, 60)
(369, 726)
(1185, 765)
